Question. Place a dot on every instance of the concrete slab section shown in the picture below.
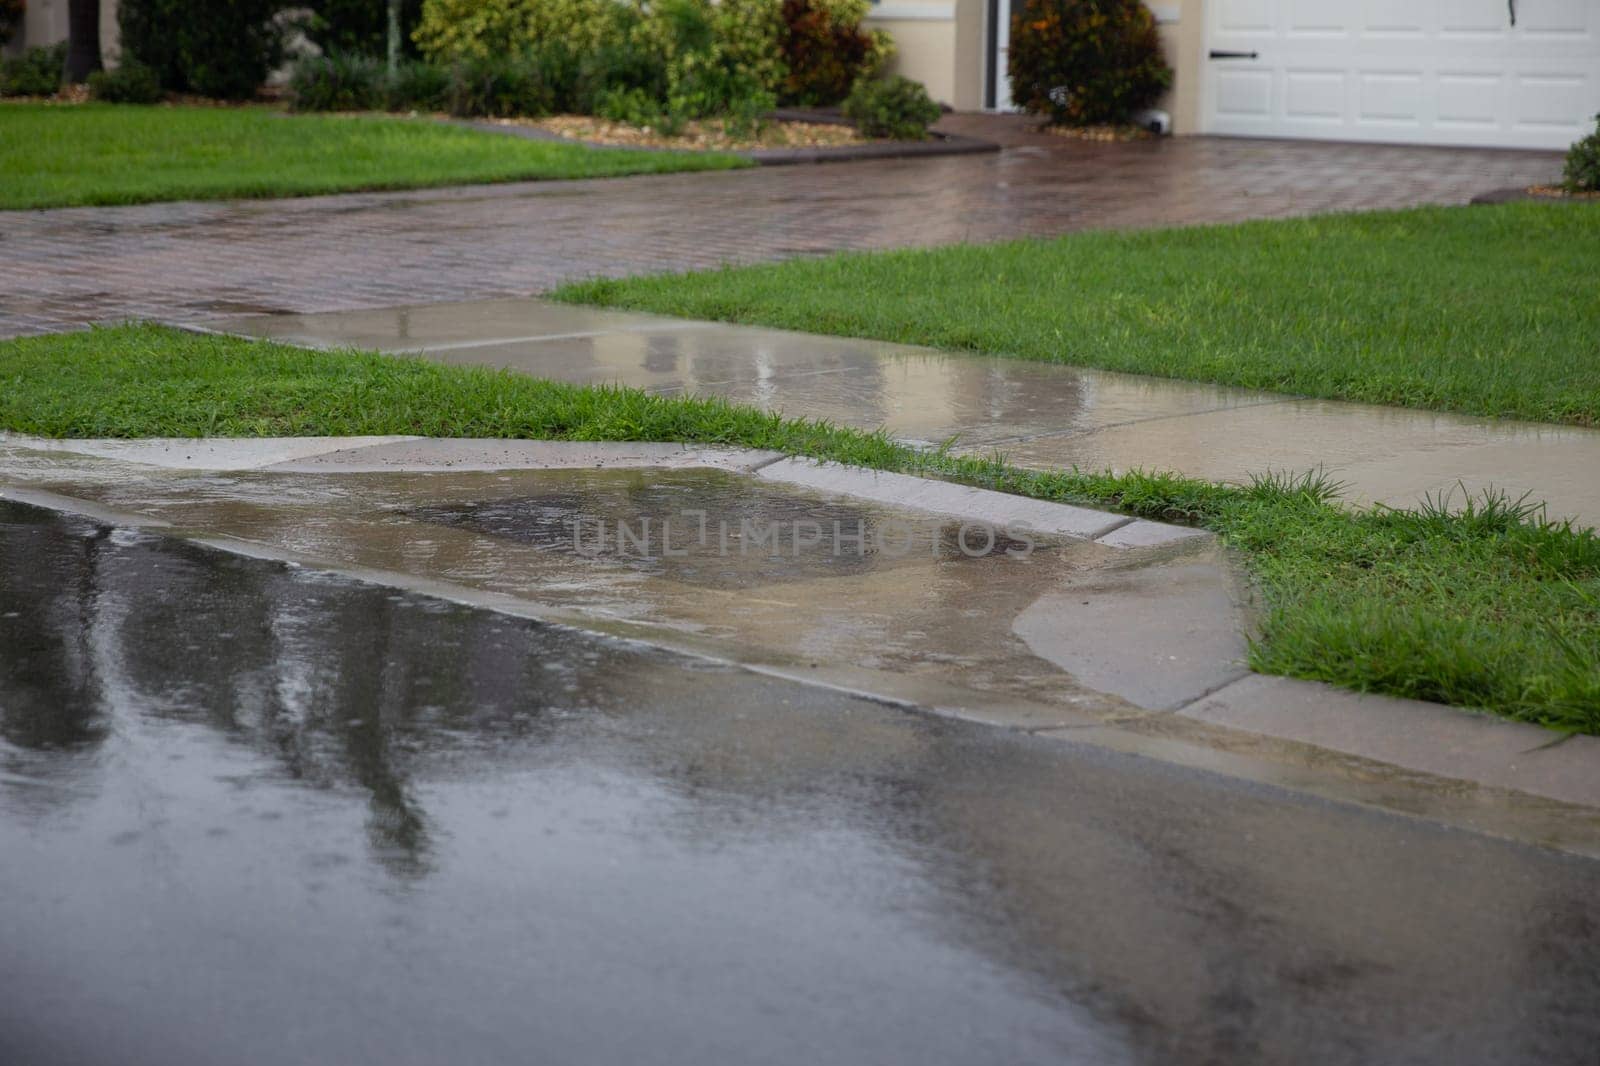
(1036, 414)
(940, 497)
(436, 454)
(1145, 534)
(871, 596)
(915, 393)
(1385, 455)
(1419, 736)
(207, 453)
(1158, 636)
(410, 328)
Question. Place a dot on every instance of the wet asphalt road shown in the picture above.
(250, 814)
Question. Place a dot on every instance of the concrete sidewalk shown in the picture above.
(1036, 414)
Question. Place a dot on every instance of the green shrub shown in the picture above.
(632, 106)
(360, 27)
(896, 107)
(1582, 171)
(419, 86)
(826, 51)
(750, 34)
(501, 88)
(452, 30)
(339, 83)
(219, 48)
(1086, 62)
(131, 82)
(624, 67)
(36, 72)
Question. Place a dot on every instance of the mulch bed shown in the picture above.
(1522, 193)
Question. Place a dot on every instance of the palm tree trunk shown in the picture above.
(83, 40)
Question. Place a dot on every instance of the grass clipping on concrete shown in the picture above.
(1481, 310)
(1490, 607)
(66, 155)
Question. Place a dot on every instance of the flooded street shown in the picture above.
(253, 814)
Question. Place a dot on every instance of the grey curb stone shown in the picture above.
(1428, 737)
(352, 455)
(998, 508)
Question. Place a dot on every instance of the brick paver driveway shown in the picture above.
(188, 261)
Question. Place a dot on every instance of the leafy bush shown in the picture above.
(220, 48)
(702, 78)
(339, 83)
(131, 82)
(1582, 171)
(624, 67)
(896, 107)
(451, 30)
(501, 88)
(826, 51)
(419, 86)
(750, 35)
(36, 72)
(632, 106)
(1086, 62)
(360, 27)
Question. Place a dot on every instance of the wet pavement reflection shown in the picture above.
(254, 814)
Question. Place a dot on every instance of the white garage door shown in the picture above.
(1413, 71)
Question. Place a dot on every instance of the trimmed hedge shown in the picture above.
(1086, 62)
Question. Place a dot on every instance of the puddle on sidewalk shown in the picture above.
(700, 559)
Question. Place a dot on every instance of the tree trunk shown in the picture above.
(394, 36)
(83, 40)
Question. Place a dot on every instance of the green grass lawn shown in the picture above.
(68, 155)
(1486, 310)
(1493, 608)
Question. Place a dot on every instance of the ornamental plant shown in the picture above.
(1086, 62)
(452, 30)
(1582, 171)
(896, 108)
(826, 50)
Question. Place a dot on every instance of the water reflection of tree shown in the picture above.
(50, 693)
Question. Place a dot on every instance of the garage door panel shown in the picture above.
(1553, 101)
(1467, 100)
(1474, 18)
(1556, 18)
(1438, 72)
(1384, 18)
(1245, 95)
(1391, 97)
(1247, 16)
(1317, 17)
(1314, 95)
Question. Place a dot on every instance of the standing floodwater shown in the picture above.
(254, 815)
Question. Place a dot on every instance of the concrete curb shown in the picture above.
(960, 501)
(361, 455)
(1430, 739)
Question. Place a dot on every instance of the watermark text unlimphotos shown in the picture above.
(694, 532)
